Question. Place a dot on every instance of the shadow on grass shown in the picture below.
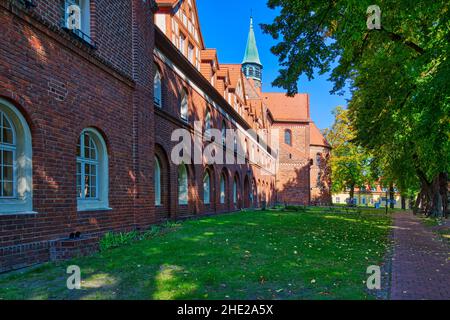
(256, 255)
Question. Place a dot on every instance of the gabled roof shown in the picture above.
(251, 52)
(234, 71)
(285, 108)
(316, 137)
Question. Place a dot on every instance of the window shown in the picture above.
(191, 53)
(15, 161)
(251, 72)
(318, 159)
(288, 137)
(92, 171)
(222, 188)
(157, 182)
(235, 191)
(206, 188)
(224, 133)
(7, 157)
(208, 121)
(182, 43)
(182, 185)
(338, 200)
(157, 92)
(184, 106)
(85, 19)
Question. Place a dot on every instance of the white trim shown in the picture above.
(23, 154)
(102, 180)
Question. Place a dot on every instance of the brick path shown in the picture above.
(421, 262)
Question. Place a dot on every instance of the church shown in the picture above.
(88, 116)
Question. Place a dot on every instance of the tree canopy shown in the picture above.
(399, 77)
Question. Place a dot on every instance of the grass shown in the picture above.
(251, 255)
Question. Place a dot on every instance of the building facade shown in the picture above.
(88, 115)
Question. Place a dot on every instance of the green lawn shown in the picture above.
(249, 255)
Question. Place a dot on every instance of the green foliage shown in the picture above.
(399, 76)
(115, 240)
(351, 164)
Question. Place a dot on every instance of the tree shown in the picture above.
(350, 163)
(399, 77)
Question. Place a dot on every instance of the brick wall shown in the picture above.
(62, 86)
(293, 175)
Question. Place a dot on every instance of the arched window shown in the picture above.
(157, 89)
(182, 185)
(235, 191)
(318, 159)
(208, 123)
(251, 72)
(222, 188)
(224, 133)
(92, 171)
(15, 161)
(288, 137)
(206, 188)
(184, 109)
(157, 182)
(7, 157)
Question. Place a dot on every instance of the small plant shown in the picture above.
(115, 240)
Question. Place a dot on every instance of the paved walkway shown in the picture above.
(421, 262)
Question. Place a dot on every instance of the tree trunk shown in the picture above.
(352, 194)
(392, 196)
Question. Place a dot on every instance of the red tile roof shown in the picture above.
(284, 108)
(316, 137)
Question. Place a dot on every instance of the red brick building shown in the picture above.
(87, 118)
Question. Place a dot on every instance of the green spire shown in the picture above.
(251, 52)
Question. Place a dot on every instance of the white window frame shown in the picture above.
(235, 193)
(207, 188)
(22, 199)
(101, 201)
(157, 181)
(157, 89)
(222, 189)
(183, 195)
(9, 148)
(184, 107)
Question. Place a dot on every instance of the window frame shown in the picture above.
(186, 183)
(207, 191)
(289, 133)
(101, 201)
(157, 89)
(22, 200)
(157, 183)
(223, 188)
(184, 107)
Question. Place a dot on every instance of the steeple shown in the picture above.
(251, 65)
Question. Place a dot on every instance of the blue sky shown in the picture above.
(225, 26)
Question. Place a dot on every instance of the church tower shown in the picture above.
(251, 65)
